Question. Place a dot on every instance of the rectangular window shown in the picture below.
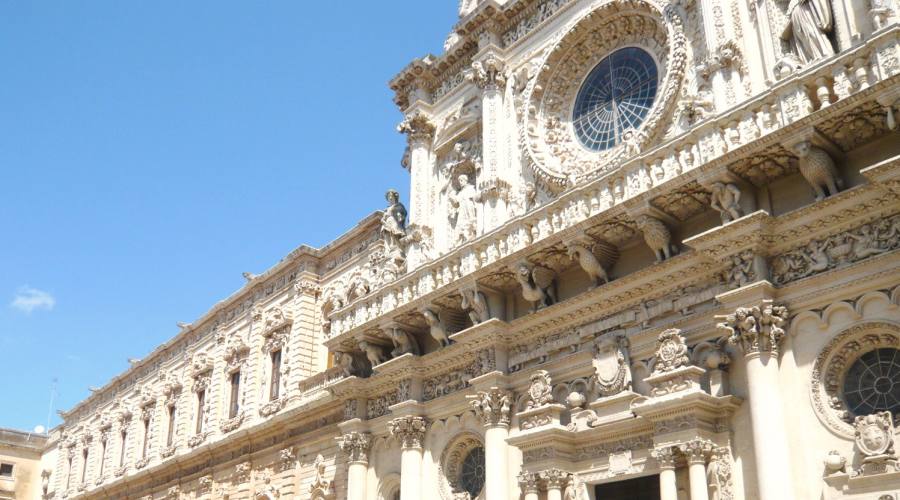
(235, 402)
(6, 470)
(84, 464)
(124, 437)
(146, 443)
(170, 436)
(201, 410)
(275, 381)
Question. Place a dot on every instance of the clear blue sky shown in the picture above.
(150, 152)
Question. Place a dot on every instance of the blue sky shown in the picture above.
(150, 152)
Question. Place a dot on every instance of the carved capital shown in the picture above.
(758, 329)
(556, 479)
(529, 482)
(417, 127)
(355, 445)
(696, 451)
(307, 287)
(409, 430)
(487, 73)
(492, 406)
(665, 456)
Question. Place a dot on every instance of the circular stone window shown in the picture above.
(472, 474)
(872, 384)
(615, 97)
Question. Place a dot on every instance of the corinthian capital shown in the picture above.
(487, 73)
(417, 127)
(355, 445)
(409, 430)
(665, 455)
(555, 478)
(492, 406)
(756, 329)
(696, 451)
(529, 482)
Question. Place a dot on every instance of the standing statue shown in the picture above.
(726, 199)
(811, 21)
(393, 223)
(463, 208)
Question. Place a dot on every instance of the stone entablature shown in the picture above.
(758, 159)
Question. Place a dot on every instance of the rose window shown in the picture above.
(872, 383)
(614, 98)
(472, 475)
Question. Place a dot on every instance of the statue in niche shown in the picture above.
(393, 224)
(463, 212)
(810, 23)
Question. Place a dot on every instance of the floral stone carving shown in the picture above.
(355, 445)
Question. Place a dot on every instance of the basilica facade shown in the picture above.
(651, 250)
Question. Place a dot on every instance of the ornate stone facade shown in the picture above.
(692, 307)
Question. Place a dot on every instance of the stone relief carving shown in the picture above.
(538, 285)
(492, 406)
(594, 257)
(475, 304)
(718, 475)
(451, 465)
(756, 329)
(844, 248)
(612, 366)
(409, 430)
(436, 327)
(448, 383)
(539, 391)
(320, 486)
(742, 271)
(874, 438)
(671, 351)
(726, 199)
(818, 168)
(657, 236)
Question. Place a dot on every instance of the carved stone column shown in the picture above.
(420, 134)
(668, 489)
(411, 433)
(356, 446)
(556, 480)
(758, 331)
(528, 483)
(493, 406)
(487, 74)
(696, 452)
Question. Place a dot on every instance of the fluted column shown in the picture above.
(420, 134)
(487, 74)
(758, 331)
(411, 433)
(356, 446)
(556, 480)
(665, 456)
(696, 452)
(493, 406)
(528, 483)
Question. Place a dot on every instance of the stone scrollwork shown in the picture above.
(551, 149)
(671, 351)
(409, 430)
(757, 329)
(612, 372)
(492, 406)
(355, 445)
(835, 360)
(539, 392)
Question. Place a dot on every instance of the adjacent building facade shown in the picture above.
(650, 251)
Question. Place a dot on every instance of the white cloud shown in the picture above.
(29, 299)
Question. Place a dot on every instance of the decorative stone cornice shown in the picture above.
(409, 430)
(696, 451)
(355, 445)
(757, 329)
(493, 406)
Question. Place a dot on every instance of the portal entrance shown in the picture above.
(641, 488)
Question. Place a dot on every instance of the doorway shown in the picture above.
(641, 488)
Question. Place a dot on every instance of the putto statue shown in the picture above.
(393, 223)
(811, 22)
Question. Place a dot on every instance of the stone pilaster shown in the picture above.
(306, 355)
(420, 134)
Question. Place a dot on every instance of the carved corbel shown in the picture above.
(596, 258)
(437, 328)
(730, 196)
(817, 156)
(657, 236)
(538, 284)
(374, 352)
(475, 304)
(404, 342)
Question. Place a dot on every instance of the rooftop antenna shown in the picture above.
(52, 396)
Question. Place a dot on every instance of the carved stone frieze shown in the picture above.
(448, 383)
(757, 329)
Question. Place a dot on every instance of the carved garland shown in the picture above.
(832, 363)
(450, 468)
(550, 145)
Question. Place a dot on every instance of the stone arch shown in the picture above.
(389, 487)
(550, 146)
(451, 459)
